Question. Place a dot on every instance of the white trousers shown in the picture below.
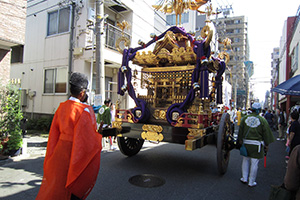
(249, 169)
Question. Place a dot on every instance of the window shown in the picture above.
(108, 87)
(171, 19)
(237, 30)
(58, 21)
(17, 54)
(185, 18)
(294, 58)
(236, 40)
(55, 80)
(229, 31)
(236, 49)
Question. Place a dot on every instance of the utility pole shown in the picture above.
(71, 41)
(100, 69)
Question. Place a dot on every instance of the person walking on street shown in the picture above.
(74, 146)
(269, 117)
(256, 135)
(281, 125)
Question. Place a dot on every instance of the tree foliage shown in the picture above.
(10, 117)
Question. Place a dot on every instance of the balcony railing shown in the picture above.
(112, 35)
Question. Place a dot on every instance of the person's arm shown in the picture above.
(291, 136)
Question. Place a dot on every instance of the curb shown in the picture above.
(6, 161)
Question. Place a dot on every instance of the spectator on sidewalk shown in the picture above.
(281, 125)
(104, 118)
(232, 115)
(294, 131)
(292, 175)
(72, 159)
(104, 115)
(275, 121)
(256, 135)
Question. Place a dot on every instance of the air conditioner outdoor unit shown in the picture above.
(91, 14)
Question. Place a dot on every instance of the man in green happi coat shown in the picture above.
(256, 135)
(104, 115)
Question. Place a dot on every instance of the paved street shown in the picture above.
(187, 175)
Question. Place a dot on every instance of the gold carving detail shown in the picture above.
(196, 133)
(129, 118)
(178, 7)
(160, 114)
(166, 52)
(117, 125)
(152, 133)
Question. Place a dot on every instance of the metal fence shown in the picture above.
(112, 35)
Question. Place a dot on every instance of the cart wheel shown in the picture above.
(223, 153)
(130, 146)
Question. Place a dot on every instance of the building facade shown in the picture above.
(12, 35)
(60, 39)
(288, 48)
(274, 76)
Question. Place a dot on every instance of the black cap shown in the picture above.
(79, 80)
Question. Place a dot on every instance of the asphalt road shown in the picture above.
(186, 175)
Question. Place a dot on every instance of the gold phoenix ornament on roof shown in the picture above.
(224, 55)
(208, 12)
(123, 25)
(178, 6)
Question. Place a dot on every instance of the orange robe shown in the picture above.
(72, 159)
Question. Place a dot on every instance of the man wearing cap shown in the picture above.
(256, 135)
(72, 159)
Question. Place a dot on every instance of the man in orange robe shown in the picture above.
(72, 159)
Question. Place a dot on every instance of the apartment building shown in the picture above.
(60, 38)
(274, 76)
(12, 35)
(235, 28)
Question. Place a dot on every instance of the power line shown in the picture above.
(42, 10)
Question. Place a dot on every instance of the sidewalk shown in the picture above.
(35, 147)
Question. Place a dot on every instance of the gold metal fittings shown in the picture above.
(152, 133)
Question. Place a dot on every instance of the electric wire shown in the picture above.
(35, 13)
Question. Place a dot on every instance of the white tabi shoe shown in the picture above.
(252, 184)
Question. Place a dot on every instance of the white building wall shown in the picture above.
(43, 52)
(294, 42)
(282, 58)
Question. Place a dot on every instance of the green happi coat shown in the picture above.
(259, 131)
(104, 115)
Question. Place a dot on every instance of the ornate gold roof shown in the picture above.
(172, 50)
